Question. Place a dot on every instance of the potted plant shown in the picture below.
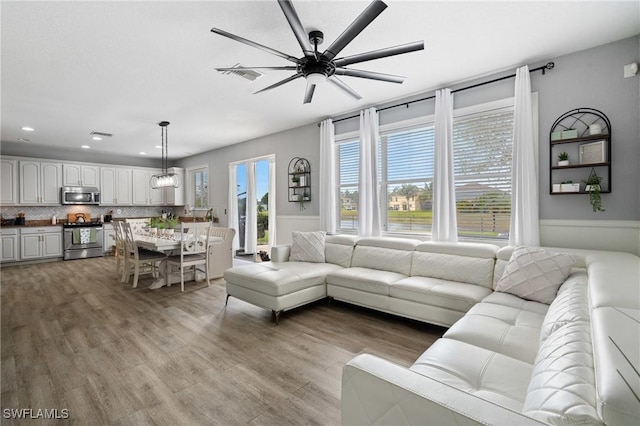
(295, 180)
(563, 159)
(593, 188)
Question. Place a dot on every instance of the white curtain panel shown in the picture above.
(251, 225)
(233, 205)
(524, 226)
(369, 223)
(445, 227)
(272, 203)
(327, 182)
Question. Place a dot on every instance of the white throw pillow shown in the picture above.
(535, 274)
(307, 247)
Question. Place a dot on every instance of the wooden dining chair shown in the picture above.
(193, 251)
(138, 262)
(139, 224)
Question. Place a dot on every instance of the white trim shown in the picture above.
(294, 217)
(631, 224)
(269, 157)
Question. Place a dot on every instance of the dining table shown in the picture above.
(169, 245)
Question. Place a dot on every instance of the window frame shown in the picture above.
(190, 187)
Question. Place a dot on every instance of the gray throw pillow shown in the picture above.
(307, 247)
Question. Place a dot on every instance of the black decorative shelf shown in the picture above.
(299, 181)
(579, 121)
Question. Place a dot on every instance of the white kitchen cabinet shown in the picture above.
(40, 182)
(108, 237)
(143, 194)
(175, 196)
(9, 240)
(80, 175)
(115, 186)
(40, 242)
(8, 182)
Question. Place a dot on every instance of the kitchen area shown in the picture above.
(52, 210)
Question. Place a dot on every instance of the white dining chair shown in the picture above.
(195, 240)
(137, 261)
(139, 224)
(120, 254)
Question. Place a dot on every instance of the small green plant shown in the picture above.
(563, 156)
(295, 179)
(171, 222)
(156, 222)
(593, 187)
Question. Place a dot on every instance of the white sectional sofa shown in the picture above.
(504, 360)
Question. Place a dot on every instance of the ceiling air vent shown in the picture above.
(250, 75)
(106, 135)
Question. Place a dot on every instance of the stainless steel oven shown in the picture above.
(82, 240)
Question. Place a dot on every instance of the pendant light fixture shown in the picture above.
(165, 179)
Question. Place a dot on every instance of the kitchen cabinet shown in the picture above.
(40, 182)
(40, 242)
(108, 237)
(80, 175)
(142, 192)
(175, 196)
(115, 186)
(9, 240)
(8, 182)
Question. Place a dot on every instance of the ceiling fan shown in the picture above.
(318, 67)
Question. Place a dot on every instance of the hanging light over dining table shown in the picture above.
(165, 179)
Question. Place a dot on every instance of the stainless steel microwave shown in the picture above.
(79, 195)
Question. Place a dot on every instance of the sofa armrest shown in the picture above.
(376, 391)
(280, 253)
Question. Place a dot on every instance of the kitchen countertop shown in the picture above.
(33, 223)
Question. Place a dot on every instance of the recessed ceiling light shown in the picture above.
(96, 138)
(23, 140)
(143, 153)
(158, 147)
(85, 146)
(27, 129)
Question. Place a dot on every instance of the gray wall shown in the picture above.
(591, 78)
(298, 142)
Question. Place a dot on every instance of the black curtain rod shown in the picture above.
(543, 68)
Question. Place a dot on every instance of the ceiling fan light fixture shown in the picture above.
(165, 179)
(316, 78)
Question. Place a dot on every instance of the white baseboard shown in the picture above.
(613, 235)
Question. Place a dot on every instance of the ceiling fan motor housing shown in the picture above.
(310, 65)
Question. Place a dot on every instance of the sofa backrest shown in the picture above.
(471, 263)
(338, 249)
(384, 253)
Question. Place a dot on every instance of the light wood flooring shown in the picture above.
(74, 337)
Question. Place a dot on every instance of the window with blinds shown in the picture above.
(348, 158)
(406, 177)
(482, 151)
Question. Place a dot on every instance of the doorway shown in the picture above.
(252, 196)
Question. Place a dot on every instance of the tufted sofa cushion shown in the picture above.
(570, 305)
(562, 390)
(384, 254)
(338, 249)
(459, 262)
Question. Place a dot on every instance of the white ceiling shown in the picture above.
(69, 68)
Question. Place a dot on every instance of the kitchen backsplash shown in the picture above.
(47, 212)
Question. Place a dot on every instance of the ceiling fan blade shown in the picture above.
(308, 94)
(380, 53)
(280, 83)
(342, 86)
(296, 25)
(254, 44)
(286, 68)
(370, 74)
(365, 18)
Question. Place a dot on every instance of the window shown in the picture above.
(406, 175)
(482, 149)
(199, 187)
(348, 154)
(482, 140)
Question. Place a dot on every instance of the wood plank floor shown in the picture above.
(74, 337)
